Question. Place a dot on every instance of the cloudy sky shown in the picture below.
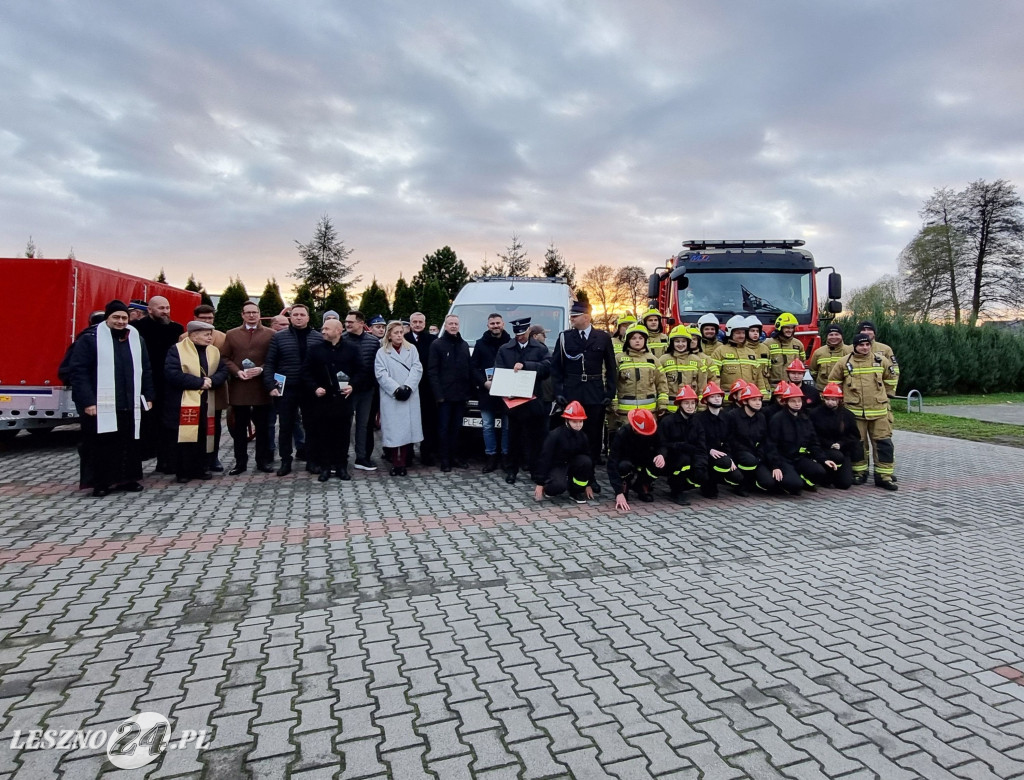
(205, 137)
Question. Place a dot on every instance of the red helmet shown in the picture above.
(574, 411)
(711, 389)
(832, 390)
(796, 365)
(750, 391)
(780, 388)
(686, 393)
(642, 421)
(792, 391)
(738, 386)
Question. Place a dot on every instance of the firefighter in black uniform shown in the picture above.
(750, 445)
(805, 464)
(796, 373)
(527, 422)
(565, 463)
(583, 369)
(715, 423)
(838, 433)
(635, 458)
(685, 449)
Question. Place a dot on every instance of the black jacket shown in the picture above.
(630, 446)
(449, 369)
(422, 343)
(534, 357)
(176, 381)
(560, 447)
(835, 426)
(159, 338)
(82, 372)
(794, 436)
(716, 429)
(589, 379)
(284, 355)
(323, 362)
(485, 351)
(750, 434)
(367, 346)
(682, 437)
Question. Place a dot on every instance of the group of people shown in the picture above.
(652, 402)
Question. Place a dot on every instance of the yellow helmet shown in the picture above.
(625, 319)
(785, 319)
(652, 312)
(679, 332)
(637, 328)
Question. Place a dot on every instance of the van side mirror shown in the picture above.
(835, 286)
(653, 283)
(834, 307)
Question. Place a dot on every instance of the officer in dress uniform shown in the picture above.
(583, 369)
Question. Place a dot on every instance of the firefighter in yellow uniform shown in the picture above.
(707, 327)
(824, 358)
(657, 341)
(736, 359)
(639, 383)
(682, 365)
(783, 347)
(619, 336)
(868, 327)
(760, 348)
(863, 375)
(710, 366)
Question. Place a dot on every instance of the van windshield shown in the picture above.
(473, 318)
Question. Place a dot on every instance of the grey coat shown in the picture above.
(400, 421)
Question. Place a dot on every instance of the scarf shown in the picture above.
(106, 394)
(191, 400)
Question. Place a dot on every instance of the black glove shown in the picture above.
(562, 401)
(605, 401)
(403, 393)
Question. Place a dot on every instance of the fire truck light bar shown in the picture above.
(780, 243)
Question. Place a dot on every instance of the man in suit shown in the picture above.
(421, 339)
(583, 369)
(245, 352)
(527, 421)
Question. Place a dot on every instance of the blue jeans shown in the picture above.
(490, 432)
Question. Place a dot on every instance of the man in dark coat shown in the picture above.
(160, 334)
(527, 421)
(111, 385)
(421, 339)
(583, 369)
(245, 353)
(332, 370)
(193, 370)
(485, 352)
(451, 377)
(364, 391)
(286, 354)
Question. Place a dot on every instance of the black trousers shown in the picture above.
(638, 475)
(685, 471)
(259, 416)
(449, 427)
(114, 458)
(573, 476)
(527, 429)
(333, 416)
(754, 473)
(289, 406)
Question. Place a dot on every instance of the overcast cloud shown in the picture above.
(206, 137)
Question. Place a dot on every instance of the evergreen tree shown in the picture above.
(324, 262)
(31, 250)
(71, 254)
(271, 302)
(582, 297)
(337, 300)
(444, 266)
(435, 303)
(555, 265)
(515, 262)
(374, 302)
(193, 286)
(305, 297)
(405, 300)
(161, 277)
(229, 307)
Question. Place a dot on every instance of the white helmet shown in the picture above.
(708, 319)
(753, 322)
(735, 322)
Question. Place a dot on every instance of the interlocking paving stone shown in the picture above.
(454, 628)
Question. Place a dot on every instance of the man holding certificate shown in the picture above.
(527, 417)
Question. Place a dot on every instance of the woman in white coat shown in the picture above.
(398, 370)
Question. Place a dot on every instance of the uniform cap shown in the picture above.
(520, 326)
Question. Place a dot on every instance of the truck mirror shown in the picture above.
(835, 286)
(671, 321)
(653, 283)
(835, 307)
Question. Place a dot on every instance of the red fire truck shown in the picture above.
(763, 278)
(45, 304)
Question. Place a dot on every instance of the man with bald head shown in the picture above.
(160, 333)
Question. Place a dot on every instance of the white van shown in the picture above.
(545, 300)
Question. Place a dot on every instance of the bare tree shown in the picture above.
(599, 282)
(940, 212)
(931, 272)
(631, 288)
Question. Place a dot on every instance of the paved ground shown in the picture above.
(448, 627)
(1001, 413)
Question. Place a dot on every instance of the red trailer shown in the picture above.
(45, 304)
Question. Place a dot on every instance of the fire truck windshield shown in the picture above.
(746, 292)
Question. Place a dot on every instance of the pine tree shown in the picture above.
(193, 286)
(31, 250)
(555, 265)
(582, 297)
(444, 266)
(305, 297)
(514, 261)
(435, 303)
(374, 302)
(324, 262)
(271, 302)
(405, 300)
(229, 307)
(337, 300)
(161, 277)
